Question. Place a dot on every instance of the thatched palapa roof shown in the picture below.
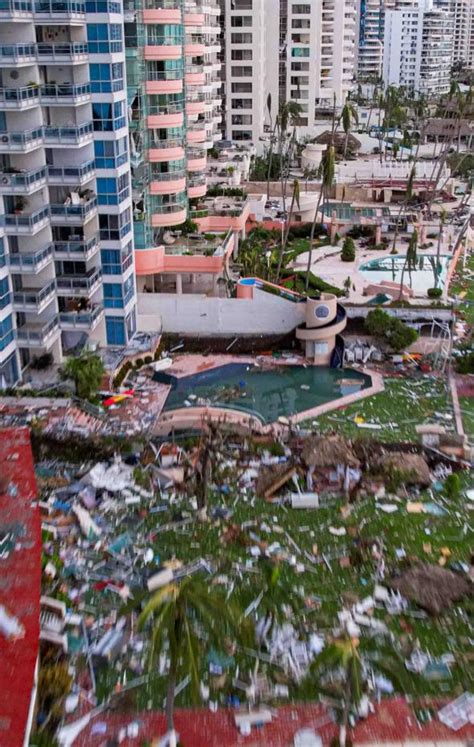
(414, 466)
(432, 587)
(328, 451)
(338, 139)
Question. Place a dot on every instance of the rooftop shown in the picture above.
(20, 570)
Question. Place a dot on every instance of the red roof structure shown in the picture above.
(20, 581)
(392, 723)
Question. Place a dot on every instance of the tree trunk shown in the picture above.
(345, 145)
(311, 238)
(400, 293)
(170, 695)
(285, 238)
(438, 253)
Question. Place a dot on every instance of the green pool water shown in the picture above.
(420, 279)
(267, 394)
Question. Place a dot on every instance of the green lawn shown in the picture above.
(465, 284)
(404, 404)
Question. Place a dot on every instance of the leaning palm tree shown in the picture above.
(274, 597)
(272, 142)
(295, 198)
(179, 614)
(327, 169)
(403, 206)
(349, 116)
(410, 260)
(442, 220)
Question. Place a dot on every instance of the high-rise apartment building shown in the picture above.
(174, 93)
(296, 51)
(369, 47)
(463, 12)
(418, 47)
(66, 245)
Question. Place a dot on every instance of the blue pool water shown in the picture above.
(265, 393)
(391, 267)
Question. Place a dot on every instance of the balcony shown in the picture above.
(62, 53)
(80, 251)
(30, 263)
(26, 97)
(168, 215)
(17, 54)
(73, 214)
(56, 11)
(170, 182)
(24, 183)
(69, 136)
(16, 10)
(65, 94)
(34, 299)
(73, 175)
(84, 286)
(165, 150)
(81, 320)
(25, 224)
(21, 142)
(38, 335)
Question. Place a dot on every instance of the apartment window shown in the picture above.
(6, 332)
(128, 289)
(108, 117)
(106, 78)
(241, 119)
(299, 80)
(240, 21)
(300, 52)
(164, 33)
(103, 38)
(301, 23)
(241, 38)
(113, 295)
(241, 54)
(2, 253)
(241, 4)
(115, 329)
(241, 103)
(103, 6)
(297, 94)
(112, 191)
(111, 261)
(301, 9)
(115, 227)
(241, 88)
(110, 154)
(300, 66)
(4, 293)
(242, 71)
(241, 134)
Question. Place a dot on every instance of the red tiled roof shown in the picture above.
(20, 579)
(393, 721)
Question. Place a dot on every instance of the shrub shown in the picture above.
(148, 359)
(189, 226)
(452, 486)
(348, 253)
(377, 322)
(465, 363)
(139, 363)
(434, 292)
(391, 330)
(303, 231)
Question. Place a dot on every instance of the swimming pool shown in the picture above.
(391, 268)
(283, 390)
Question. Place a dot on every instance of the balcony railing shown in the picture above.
(167, 176)
(34, 298)
(15, 7)
(81, 211)
(30, 261)
(20, 140)
(17, 52)
(58, 8)
(164, 74)
(67, 135)
(65, 91)
(78, 250)
(78, 285)
(61, 51)
(85, 319)
(35, 334)
(12, 96)
(71, 174)
(14, 182)
(28, 221)
(176, 143)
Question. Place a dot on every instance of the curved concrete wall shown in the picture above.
(328, 302)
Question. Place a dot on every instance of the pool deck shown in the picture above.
(195, 418)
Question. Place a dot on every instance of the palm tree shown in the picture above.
(410, 260)
(274, 597)
(87, 371)
(442, 220)
(295, 197)
(327, 169)
(403, 206)
(349, 116)
(272, 142)
(348, 661)
(179, 614)
(288, 114)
